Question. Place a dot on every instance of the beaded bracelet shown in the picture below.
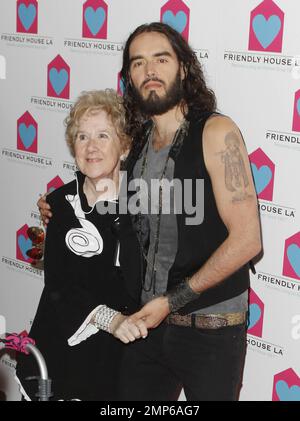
(103, 318)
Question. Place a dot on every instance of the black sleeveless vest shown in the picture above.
(196, 243)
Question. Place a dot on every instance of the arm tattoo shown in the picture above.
(236, 178)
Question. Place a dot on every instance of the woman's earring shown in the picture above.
(124, 155)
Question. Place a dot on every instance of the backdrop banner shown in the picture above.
(50, 51)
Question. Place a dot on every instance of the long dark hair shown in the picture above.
(198, 98)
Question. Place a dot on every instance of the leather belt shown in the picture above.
(207, 321)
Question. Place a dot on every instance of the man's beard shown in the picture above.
(155, 105)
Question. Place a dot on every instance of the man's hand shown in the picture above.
(124, 329)
(45, 209)
(153, 313)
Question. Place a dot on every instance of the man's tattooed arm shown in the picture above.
(235, 175)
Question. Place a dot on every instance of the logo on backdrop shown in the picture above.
(286, 386)
(176, 14)
(94, 32)
(54, 184)
(291, 260)
(283, 138)
(265, 36)
(255, 339)
(23, 245)
(21, 262)
(121, 86)
(94, 19)
(27, 144)
(27, 16)
(27, 133)
(58, 81)
(263, 170)
(26, 28)
(256, 314)
(58, 87)
(286, 139)
(296, 118)
(289, 281)
(70, 167)
(266, 28)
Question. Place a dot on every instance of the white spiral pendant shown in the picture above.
(85, 241)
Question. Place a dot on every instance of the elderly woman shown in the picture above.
(91, 263)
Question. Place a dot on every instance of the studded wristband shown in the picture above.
(103, 318)
(181, 295)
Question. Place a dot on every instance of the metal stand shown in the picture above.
(22, 343)
(44, 383)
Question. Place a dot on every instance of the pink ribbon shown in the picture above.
(18, 342)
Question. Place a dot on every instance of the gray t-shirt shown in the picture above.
(168, 238)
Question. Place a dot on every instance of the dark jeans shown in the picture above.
(207, 363)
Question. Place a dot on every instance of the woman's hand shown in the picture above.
(45, 209)
(124, 329)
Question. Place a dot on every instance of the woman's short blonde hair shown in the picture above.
(91, 102)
